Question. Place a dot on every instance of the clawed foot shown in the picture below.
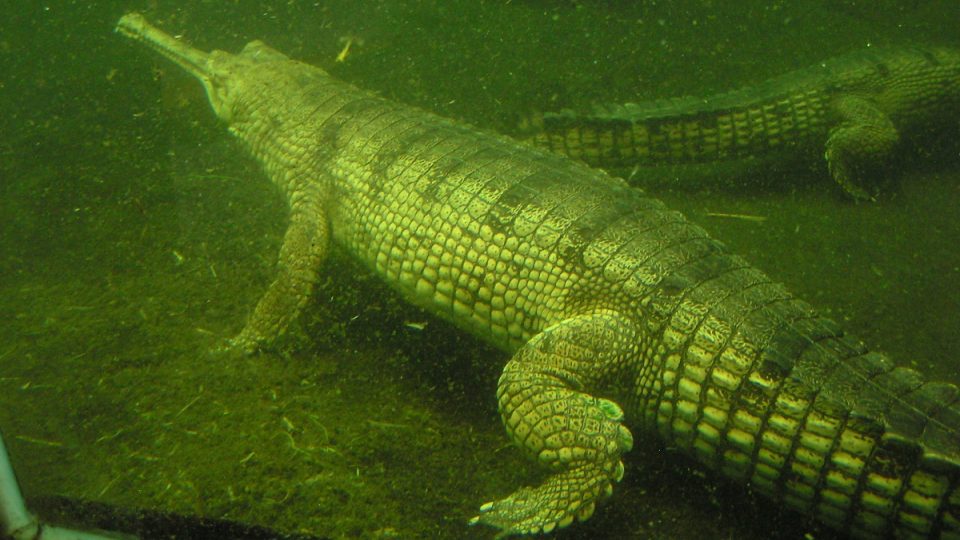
(239, 345)
(564, 497)
(840, 171)
(859, 144)
(519, 514)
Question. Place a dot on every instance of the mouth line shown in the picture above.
(194, 61)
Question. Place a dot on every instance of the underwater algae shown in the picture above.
(107, 344)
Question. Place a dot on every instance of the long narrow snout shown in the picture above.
(195, 61)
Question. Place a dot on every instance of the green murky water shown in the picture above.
(136, 233)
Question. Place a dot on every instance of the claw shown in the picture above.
(618, 473)
(610, 409)
(563, 498)
(584, 513)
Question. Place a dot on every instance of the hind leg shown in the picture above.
(859, 145)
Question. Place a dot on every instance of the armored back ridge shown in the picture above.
(855, 108)
(616, 310)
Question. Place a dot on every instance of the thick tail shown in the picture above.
(768, 392)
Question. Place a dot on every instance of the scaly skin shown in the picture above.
(855, 107)
(615, 309)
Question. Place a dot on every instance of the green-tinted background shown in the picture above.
(136, 233)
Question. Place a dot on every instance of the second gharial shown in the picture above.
(855, 110)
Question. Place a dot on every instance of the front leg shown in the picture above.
(305, 244)
(547, 407)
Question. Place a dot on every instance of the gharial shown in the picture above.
(616, 310)
(856, 109)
